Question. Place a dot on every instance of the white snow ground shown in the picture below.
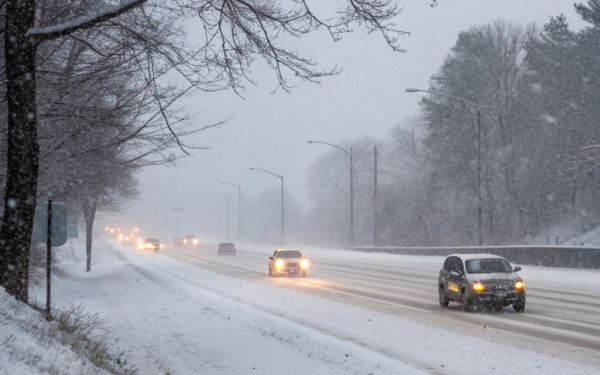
(25, 350)
(180, 319)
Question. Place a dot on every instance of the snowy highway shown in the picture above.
(190, 311)
(560, 313)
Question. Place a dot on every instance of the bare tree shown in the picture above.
(235, 32)
(105, 191)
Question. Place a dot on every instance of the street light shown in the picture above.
(239, 208)
(479, 109)
(282, 224)
(351, 185)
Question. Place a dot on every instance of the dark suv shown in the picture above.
(479, 281)
(226, 248)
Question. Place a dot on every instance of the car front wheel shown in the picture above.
(443, 299)
(303, 273)
(519, 306)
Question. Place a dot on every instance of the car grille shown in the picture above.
(293, 265)
(500, 285)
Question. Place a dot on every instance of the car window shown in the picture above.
(447, 264)
(275, 254)
(290, 254)
(488, 266)
(456, 265)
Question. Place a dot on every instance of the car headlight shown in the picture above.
(279, 263)
(304, 263)
(195, 242)
(148, 245)
(519, 285)
(478, 287)
(184, 241)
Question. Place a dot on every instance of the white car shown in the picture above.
(287, 261)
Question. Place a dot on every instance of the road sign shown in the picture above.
(59, 224)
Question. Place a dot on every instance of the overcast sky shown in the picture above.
(270, 131)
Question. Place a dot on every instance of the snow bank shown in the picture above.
(29, 344)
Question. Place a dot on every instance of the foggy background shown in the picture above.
(270, 130)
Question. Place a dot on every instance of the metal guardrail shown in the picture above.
(546, 256)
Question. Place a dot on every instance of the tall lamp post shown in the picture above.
(479, 109)
(282, 222)
(351, 185)
(239, 208)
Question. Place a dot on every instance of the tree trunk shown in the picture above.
(90, 216)
(88, 244)
(22, 149)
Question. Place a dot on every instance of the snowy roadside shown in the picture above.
(73, 344)
(181, 319)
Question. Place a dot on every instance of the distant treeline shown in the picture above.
(538, 94)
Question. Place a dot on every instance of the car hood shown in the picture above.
(472, 277)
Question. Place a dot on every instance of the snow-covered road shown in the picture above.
(189, 311)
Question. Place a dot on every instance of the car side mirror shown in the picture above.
(271, 258)
(517, 269)
(455, 274)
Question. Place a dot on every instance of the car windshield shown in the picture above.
(290, 254)
(152, 240)
(488, 266)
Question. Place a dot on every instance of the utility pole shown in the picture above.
(227, 215)
(351, 198)
(375, 206)
(239, 208)
(282, 221)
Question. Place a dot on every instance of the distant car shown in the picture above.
(287, 261)
(152, 244)
(227, 248)
(479, 281)
(122, 238)
(191, 240)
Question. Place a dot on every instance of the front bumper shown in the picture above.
(290, 269)
(496, 298)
